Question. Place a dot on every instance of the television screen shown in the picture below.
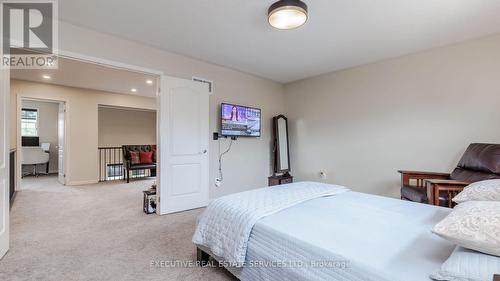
(240, 121)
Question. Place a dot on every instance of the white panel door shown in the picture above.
(4, 159)
(61, 137)
(183, 136)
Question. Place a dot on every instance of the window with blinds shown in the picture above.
(29, 122)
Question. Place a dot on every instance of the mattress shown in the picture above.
(350, 236)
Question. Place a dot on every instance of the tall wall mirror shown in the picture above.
(281, 147)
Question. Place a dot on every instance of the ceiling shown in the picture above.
(91, 76)
(339, 33)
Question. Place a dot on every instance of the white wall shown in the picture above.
(415, 112)
(119, 126)
(248, 165)
(47, 128)
(81, 122)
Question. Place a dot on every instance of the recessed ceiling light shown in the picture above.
(149, 81)
(133, 90)
(287, 14)
(45, 76)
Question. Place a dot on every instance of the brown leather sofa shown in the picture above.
(480, 161)
(128, 166)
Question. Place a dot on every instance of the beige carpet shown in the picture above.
(97, 232)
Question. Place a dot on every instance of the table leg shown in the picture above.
(436, 195)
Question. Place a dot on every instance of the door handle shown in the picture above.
(204, 151)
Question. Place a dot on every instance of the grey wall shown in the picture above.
(415, 112)
(359, 125)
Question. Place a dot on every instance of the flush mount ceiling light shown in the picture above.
(287, 14)
(149, 81)
(45, 76)
(133, 90)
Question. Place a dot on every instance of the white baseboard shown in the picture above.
(82, 182)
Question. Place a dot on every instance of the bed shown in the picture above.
(346, 236)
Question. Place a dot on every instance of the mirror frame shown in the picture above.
(277, 163)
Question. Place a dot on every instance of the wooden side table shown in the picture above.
(435, 187)
(278, 180)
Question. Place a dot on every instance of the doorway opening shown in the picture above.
(81, 91)
(83, 84)
(75, 69)
(122, 129)
(42, 136)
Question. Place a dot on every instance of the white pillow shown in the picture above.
(468, 265)
(488, 190)
(474, 225)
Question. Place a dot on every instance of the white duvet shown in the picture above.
(226, 224)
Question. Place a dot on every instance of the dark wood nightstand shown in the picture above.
(277, 180)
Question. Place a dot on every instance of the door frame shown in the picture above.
(116, 65)
(6, 93)
(19, 167)
(127, 67)
(5, 112)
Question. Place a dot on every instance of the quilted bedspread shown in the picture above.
(226, 224)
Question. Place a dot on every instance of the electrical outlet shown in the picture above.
(322, 175)
(218, 182)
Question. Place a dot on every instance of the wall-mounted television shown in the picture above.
(239, 121)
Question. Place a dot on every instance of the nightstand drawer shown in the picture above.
(277, 180)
